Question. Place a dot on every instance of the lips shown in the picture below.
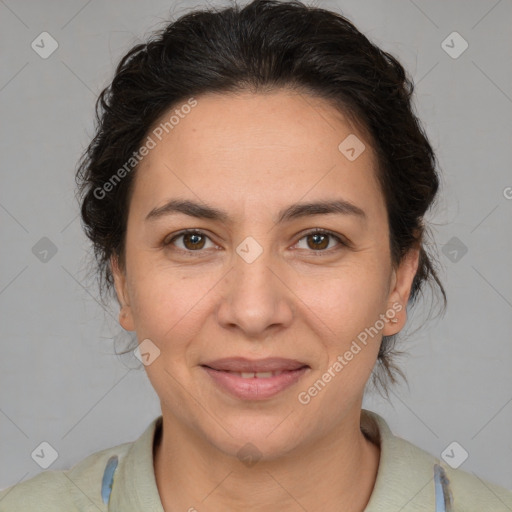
(257, 375)
(260, 379)
(242, 365)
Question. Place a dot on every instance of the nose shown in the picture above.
(256, 297)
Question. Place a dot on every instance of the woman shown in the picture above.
(255, 194)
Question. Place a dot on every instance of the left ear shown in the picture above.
(120, 284)
(400, 291)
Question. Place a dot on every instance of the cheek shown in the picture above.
(349, 300)
(167, 305)
(345, 311)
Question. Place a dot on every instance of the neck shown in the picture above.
(337, 470)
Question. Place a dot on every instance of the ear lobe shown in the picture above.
(125, 314)
(399, 295)
(119, 280)
(406, 273)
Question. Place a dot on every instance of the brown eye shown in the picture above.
(191, 241)
(320, 240)
(195, 240)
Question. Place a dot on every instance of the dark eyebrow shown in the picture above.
(293, 211)
(340, 206)
(188, 208)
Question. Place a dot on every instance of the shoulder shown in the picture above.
(472, 493)
(468, 492)
(407, 476)
(72, 490)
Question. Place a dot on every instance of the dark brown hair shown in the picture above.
(265, 45)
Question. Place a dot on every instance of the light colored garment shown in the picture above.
(405, 480)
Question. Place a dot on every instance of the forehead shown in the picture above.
(255, 147)
(277, 121)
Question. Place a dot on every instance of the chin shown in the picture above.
(262, 438)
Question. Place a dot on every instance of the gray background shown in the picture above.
(60, 380)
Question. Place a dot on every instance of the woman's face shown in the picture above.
(261, 279)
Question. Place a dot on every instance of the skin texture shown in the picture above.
(253, 155)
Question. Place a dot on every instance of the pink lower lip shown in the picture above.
(255, 388)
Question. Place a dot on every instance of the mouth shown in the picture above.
(244, 365)
(255, 379)
(255, 375)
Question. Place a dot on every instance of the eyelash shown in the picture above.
(343, 243)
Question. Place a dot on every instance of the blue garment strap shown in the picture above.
(443, 494)
(108, 478)
(443, 499)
